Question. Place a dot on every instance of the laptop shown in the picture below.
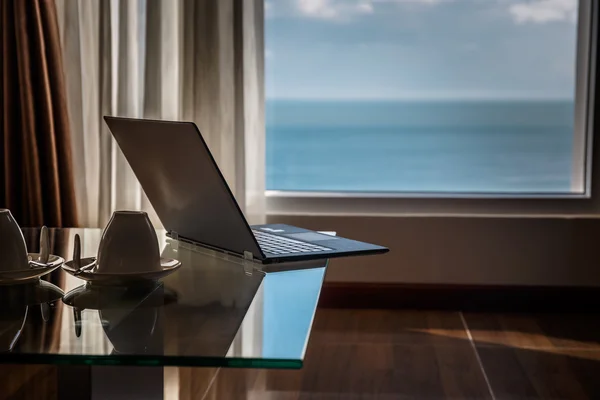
(192, 199)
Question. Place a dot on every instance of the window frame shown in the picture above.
(585, 201)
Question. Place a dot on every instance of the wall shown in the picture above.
(466, 250)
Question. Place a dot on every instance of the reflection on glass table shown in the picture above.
(31, 303)
(214, 311)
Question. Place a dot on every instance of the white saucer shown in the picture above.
(168, 266)
(31, 274)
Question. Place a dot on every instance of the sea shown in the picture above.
(456, 146)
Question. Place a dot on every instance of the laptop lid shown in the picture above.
(183, 183)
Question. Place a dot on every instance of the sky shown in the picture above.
(420, 49)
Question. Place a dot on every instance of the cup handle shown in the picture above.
(77, 321)
(45, 309)
(77, 253)
(44, 246)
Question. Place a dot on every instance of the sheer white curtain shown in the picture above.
(193, 60)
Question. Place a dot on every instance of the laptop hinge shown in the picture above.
(175, 237)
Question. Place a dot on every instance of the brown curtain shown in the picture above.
(36, 171)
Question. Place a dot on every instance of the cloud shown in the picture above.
(268, 9)
(333, 9)
(543, 11)
(346, 9)
(414, 1)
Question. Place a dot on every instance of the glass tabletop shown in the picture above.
(215, 310)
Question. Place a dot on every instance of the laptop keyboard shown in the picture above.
(274, 244)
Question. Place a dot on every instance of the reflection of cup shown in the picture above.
(12, 244)
(11, 325)
(136, 328)
(16, 301)
(139, 331)
(129, 244)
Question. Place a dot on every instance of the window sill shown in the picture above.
(428, 205)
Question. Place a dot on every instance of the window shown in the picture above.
(427, 96)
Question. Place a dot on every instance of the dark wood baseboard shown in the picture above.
(460, 297)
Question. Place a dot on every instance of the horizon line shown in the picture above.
(415, 99)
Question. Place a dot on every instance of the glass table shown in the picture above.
(215, 311)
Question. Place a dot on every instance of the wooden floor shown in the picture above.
(371, 354)
(377, 354)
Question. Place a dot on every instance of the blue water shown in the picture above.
(444, 146)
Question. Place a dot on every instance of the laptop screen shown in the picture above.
(183, 183)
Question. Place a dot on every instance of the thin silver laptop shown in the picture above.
(191, 197)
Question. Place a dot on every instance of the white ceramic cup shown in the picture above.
(13, 250)
(129, 244)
